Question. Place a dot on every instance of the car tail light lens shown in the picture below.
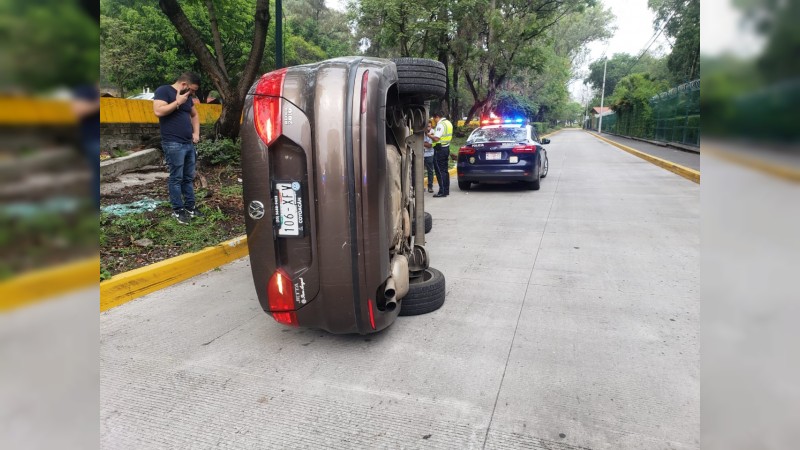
(267, 106)
(371, 315)
(524, 149)
(364, 79)
(466, 151)
(280, 294)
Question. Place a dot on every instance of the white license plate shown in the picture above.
(494, 156)
(289, 209)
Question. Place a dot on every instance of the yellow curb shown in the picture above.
(685, 172)
(130, 285)
(786, 173)
(43, 284)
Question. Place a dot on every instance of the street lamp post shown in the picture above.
(602, 97)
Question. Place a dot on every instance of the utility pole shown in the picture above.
(602, 97)
(278, 34)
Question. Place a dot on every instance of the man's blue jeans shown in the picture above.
(181, 159)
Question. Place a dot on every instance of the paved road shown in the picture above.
(684, 158)
(571, 321)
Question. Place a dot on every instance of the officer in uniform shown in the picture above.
(441, 138)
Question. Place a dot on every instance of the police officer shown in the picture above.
(441, 137)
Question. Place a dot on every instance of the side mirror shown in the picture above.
(545, 141)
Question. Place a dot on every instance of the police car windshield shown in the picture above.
(499, 135)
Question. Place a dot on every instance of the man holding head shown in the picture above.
(180, 130)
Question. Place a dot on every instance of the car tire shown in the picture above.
(545, 166)
(465, 185)
(419, 76)
(428, 223)
(535, 184)
(426, 295)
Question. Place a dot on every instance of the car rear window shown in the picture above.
(499, 135)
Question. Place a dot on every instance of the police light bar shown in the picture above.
(504, 120)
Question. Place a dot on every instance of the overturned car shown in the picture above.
(332, 171)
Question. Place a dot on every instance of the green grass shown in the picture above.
(160, 227)
(234, 190)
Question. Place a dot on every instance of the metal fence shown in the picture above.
(672, 116)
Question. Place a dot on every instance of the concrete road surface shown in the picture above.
(571, 321)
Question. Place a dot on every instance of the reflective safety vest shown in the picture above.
(447, 136)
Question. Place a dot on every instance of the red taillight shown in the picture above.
(524, 149)
(267, 106)
(280, 293)
(364, 79)
(371, 315)
(466, 151)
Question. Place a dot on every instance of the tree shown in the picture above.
(621, 65)
(501, 43)
(232, 80)
(681, 22)
(46, 44)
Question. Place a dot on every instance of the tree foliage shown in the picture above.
(681, 22)
(46, 44)
(146, 44)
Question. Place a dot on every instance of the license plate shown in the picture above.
(493, 156)
(289, 209)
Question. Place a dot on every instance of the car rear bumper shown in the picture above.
(342, 260)
(507, 172)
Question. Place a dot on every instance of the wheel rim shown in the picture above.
(546, 165)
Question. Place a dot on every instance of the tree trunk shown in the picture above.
(212, 17)
(454, 94)
(229, 120)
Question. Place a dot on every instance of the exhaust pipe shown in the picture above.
(397, 285)
(390, 293)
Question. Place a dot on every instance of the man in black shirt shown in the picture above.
(180, 130)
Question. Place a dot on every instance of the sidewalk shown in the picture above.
(684, 158)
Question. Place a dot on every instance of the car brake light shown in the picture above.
(371, 315)
(466, 151)
(280, 294)
(364, 79)
(267, 106)
(524, 149)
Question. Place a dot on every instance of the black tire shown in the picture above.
(465, 185)
(426, 295)
(419, 76)
(545, 166)
(535, 184)
(428, 223)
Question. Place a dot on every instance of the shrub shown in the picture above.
(222, 151)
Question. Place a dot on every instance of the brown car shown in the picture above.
(328, 153)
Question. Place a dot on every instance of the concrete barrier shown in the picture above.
(117, 166)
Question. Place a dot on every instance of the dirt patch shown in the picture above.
(140, 239)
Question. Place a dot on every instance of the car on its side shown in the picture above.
(502, 150)
(332, 214)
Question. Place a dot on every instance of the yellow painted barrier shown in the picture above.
(120, 110)
(685, 172)
(44, 284)
(23, 111)
(133, 284)
(20, 111)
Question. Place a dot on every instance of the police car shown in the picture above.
(503, 150)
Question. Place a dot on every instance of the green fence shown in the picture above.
(672, 116)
